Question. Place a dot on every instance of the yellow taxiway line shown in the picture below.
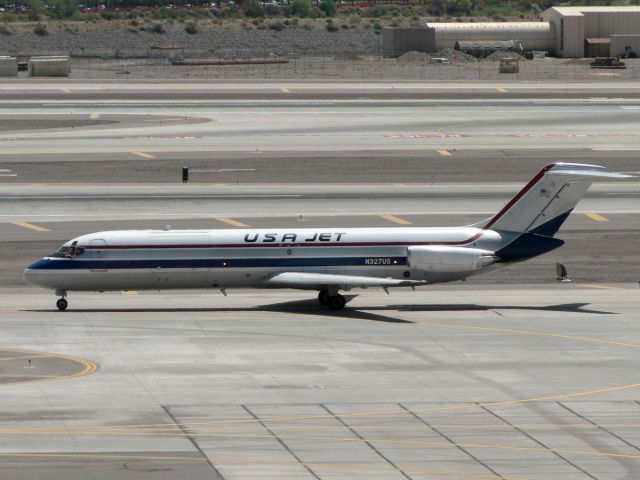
(31, 226)
(596, 217)
(394, 219)
(231, 221)
(143, 155)
(444, 152)
(94, 116)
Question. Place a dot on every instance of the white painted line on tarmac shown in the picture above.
(222, 170)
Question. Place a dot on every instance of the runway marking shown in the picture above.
(399, 184)
(596, 217)
(284, 90)
(444, 152)
(5, 172)
(394, 219)
(94, 116)
(594, 285)
(89, 366)
(383, 440)
(231, 221)
(128, 292)
(502, 90)
(148, 156)
(31, 226)
(66, 90)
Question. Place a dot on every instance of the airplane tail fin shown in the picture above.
(543, 205)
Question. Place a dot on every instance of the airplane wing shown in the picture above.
(314, 281)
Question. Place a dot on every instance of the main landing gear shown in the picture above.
(62, 303)
(334, 302)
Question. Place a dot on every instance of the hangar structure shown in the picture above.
(594, 31)
(563, 31)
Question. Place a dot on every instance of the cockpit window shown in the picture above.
(69, 251)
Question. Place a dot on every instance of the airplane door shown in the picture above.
(99, 249)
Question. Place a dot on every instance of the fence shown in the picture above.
(339, 65)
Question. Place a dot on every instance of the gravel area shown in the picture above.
(219, 43)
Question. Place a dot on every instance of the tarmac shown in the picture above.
(512, 375)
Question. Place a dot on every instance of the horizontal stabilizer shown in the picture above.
(323, 280)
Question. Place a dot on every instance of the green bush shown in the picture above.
(252, 9)
(277, 26)
(40, 30)
(301, 8)
(157, 28)
(332, 27)
(191, 28)
(328, 7)
(4, 30)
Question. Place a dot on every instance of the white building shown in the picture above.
(563, 31)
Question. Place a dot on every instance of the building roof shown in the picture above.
(578, 11)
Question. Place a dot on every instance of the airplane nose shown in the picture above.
(32, 272)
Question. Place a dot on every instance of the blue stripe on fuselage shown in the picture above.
(77, 264)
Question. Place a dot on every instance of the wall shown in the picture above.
(618, 42)
(8, 67)
(398, 41)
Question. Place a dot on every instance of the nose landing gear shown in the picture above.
(62, 303)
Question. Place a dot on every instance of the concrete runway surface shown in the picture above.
(508, 376)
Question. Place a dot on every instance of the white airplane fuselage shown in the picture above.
(151, 259)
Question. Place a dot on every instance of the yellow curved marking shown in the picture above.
(89, 366)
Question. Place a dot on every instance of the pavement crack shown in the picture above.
(459, 447)
(217, 474)
(281, 442)
(366, 442)
(533, 439)
(582, 417)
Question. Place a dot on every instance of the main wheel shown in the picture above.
(336, 302)
(323, 297)
(62, 304)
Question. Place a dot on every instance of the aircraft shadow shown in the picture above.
(311, 307)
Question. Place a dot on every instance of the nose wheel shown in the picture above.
(62, 303)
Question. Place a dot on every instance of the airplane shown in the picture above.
(328, 260)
